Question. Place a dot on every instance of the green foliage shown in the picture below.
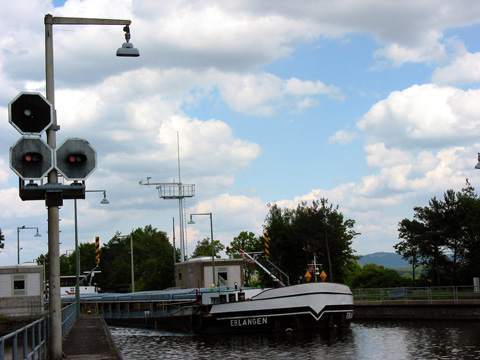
(152, 259)
(248, 242)
(444, 238)
(374, 276)
(204, 248)
(296, 234)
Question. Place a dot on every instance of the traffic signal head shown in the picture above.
(31, 158)
(30, 113)
(75, 159)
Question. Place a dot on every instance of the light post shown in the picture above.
(53, 204)
(77, 254)
(18, 239)
(191, 222)
(131, 259)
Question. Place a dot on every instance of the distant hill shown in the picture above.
(388, 260)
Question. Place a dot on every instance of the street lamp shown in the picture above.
(77, 254)
(53, 207)
(478, 163)
(191, 222)
(18, 239)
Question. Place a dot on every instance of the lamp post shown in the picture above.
(77, 253)
(191, 222)
(18, 239)
(131, 264)
(53, 206)
(131, 259)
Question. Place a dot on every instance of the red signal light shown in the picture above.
(33, 157)
(77, 158)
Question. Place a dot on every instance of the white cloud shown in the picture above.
(264, 94)
(463, 70)
(203, 74)
(342, 137)
(423, 116)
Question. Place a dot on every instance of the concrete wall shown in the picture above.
(21, 290)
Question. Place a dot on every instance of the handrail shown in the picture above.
(38, 342)
(35, 346)
(405, 295)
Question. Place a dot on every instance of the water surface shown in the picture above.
(363, 340)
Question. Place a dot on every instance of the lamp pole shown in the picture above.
(52, 201)
(191, 222)
(131, 264)
(18, 239)
(131, 259)
(77, 253)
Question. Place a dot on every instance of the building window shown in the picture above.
(179, 274)
(223, 276)
(19, 285)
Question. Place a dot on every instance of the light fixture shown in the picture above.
(127, 48)
(104, 200)
(37, 234)
(478, 164)
(191, 222)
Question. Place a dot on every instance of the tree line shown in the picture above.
(295, 236)
(441, 242)
(443, 238)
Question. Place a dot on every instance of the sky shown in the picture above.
(373, 105)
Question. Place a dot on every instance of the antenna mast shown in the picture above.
(173, 190)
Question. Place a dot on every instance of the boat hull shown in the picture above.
(294, 308)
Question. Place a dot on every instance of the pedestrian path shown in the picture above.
(89, 338)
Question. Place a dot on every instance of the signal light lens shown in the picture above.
(77, 158)
(33, 157)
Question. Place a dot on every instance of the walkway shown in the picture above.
(89, 338)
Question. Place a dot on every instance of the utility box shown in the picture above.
(21, 290)
(198, 273)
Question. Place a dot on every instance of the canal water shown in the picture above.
(363, 340)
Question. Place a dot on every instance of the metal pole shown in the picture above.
(213, 251)
(18, 246)
(53, 217)
(180, 221)
(53, 213)
(77, 262)
(131, 253)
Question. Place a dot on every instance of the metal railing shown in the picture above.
(406, 295)
(31, 341)
(33, 347)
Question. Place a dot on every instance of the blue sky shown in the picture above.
(370, 104)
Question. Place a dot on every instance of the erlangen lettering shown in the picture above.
(249, 321)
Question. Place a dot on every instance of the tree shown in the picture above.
(374, 276)
(297, 234)
(444, 237)
(204, 248)
(411, 231)
(248, 242)
(152, 260)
